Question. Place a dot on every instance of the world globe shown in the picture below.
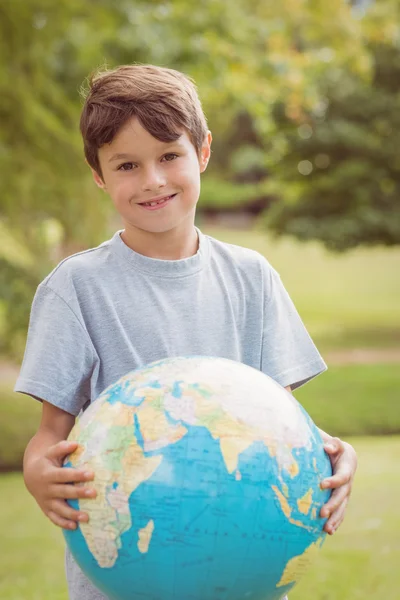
(208, 480)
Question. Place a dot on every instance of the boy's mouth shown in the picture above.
(155, 204)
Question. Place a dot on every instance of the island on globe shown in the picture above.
(208, 484)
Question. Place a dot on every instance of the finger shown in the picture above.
(334, 446)
(336, 518)
(60, 450)
(341, 477)
(60, 521)
(72, 492)
(337, 498)
(64, 511)
(70, 475)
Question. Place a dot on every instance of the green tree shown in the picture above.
(44, 188)
(245, 56)
(338, 180)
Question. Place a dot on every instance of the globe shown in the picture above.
(208, 484)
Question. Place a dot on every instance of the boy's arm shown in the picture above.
(344, 465)
(45, 478)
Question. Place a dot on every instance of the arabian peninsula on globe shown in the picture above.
(207, 475)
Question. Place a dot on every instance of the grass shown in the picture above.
(360, 561)
(346, 400)
(354, 399)
(19, 419)
(346, 300)
(31, 566)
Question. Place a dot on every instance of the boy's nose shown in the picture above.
(153, 180)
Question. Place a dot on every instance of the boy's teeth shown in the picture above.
(159, 201)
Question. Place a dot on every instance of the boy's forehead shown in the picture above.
(133, 137)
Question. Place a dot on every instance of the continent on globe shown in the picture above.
(298, 564)
(207, 475)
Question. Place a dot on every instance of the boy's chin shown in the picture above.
(159, 227)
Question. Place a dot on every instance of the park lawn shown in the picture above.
(346, 300)
(346, 400)
(360, 561)
(19, 420)
(31, 567)
(355, 399)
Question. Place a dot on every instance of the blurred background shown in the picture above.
(303, 100)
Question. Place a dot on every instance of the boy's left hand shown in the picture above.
(344, 465)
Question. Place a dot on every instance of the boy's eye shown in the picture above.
(170, 157)
(128, 166)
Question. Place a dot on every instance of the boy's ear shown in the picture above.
(98, 180)
(205, 152)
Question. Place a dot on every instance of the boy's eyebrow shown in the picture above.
(124, 156)
(119, 157)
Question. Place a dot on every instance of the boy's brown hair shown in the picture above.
(164, 100)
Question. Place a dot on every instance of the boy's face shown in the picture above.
(139, 169)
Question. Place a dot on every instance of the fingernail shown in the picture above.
(88, 474)
(89, 492)
(71, 525)
(81, 518)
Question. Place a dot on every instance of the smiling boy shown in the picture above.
(154, 189)
(159, 288)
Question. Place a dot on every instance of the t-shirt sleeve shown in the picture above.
(59, 356)
(289, 355)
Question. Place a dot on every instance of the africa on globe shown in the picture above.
(208, 477)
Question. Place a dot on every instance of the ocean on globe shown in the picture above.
(207, 475)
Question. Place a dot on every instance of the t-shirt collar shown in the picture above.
(160, 267)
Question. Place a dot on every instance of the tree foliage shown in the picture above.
(262, 70)
(338, 179)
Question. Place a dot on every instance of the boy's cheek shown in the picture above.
(121, 197)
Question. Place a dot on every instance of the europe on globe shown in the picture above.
(208, 484)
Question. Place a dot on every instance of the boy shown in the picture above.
(159, 288)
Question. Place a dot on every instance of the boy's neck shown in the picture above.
(175, 244)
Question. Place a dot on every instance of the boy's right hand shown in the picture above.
(50, 484)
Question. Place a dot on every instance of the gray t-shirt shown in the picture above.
(106, 311)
